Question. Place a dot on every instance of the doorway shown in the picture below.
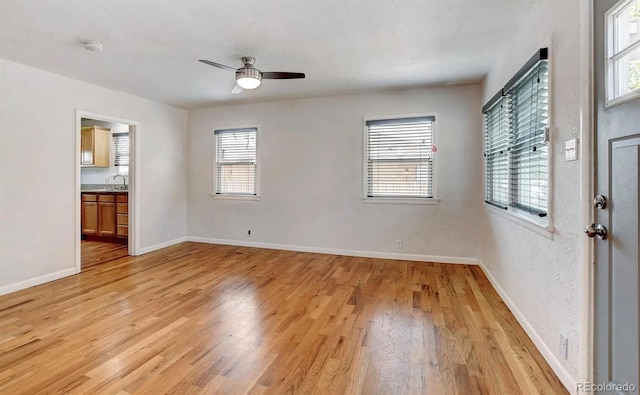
(105, 189)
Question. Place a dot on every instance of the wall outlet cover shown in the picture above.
(571, 150)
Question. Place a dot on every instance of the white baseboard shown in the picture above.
(564, 376)
(335, 251)
(159, 246)
(6, 289)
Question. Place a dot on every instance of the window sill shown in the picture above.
(400, 200)
(235, 197)
(522, 220)
(622, 99)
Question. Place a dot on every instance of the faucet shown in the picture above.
(124, 180)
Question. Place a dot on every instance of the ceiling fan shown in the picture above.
(248, 77)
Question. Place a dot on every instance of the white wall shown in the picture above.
(38, 169)
(104, 175)
(311, 175)
(540, 276)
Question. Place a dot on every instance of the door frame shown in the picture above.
(587, 188)
(134, 219)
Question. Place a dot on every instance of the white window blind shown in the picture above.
(496, 142)
(515, 145)
(400, 157)
(529, 109)
(121, 149)
(236, 153)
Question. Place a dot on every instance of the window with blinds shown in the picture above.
(496, 153)
(121, 152)
(529, 108)
(236, 161)
(516, 141)
(400, 157)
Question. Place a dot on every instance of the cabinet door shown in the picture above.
(106, 219)
(86, 147)
(89, 218)
(95, 146)
(101, 147)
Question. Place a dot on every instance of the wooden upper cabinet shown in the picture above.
(95, 143)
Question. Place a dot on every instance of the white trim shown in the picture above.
(525, 221)
(564, 376)
(336, 251)
(162, 245)
(381, 200)
(6, 289)
(611, 57)
(587, 177)
(230, 196)
(134, 218)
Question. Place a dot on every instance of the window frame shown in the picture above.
(523, 217)
(611, 56)
(434, 166)
(236, 196)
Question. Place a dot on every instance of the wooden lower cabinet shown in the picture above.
(122, 215)
(89, 214)
(105, 215)
(106, 218)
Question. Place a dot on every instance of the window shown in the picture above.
(623, 52)
(399, 157)
(236, 161)
(121, 152)
(516, 142)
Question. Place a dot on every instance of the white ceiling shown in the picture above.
(152, 47)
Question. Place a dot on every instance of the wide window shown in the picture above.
(623, 52)
(516, 142)
(236, 161)
(399, 157)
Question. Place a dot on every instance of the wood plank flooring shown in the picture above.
(98, 252)
(198, 318)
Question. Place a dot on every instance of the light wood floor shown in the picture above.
(98, 252)
(198, 318)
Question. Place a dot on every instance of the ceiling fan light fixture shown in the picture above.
(248, 78)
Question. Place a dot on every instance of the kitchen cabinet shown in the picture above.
(89, 214)
(105, 214)
(95, 143)
(122, 215)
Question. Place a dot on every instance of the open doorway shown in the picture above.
(105, 192)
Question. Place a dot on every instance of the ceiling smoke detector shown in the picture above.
(92, 46)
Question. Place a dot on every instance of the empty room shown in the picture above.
(327, 197)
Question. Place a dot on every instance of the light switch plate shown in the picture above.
(571, 150)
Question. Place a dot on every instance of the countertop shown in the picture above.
(104, 188)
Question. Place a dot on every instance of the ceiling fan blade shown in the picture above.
(218, 65)
(236, 89)
(281, 75)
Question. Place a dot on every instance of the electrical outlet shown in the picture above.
(399, 244)
(564, 346)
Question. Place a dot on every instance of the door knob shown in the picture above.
(596, 230)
